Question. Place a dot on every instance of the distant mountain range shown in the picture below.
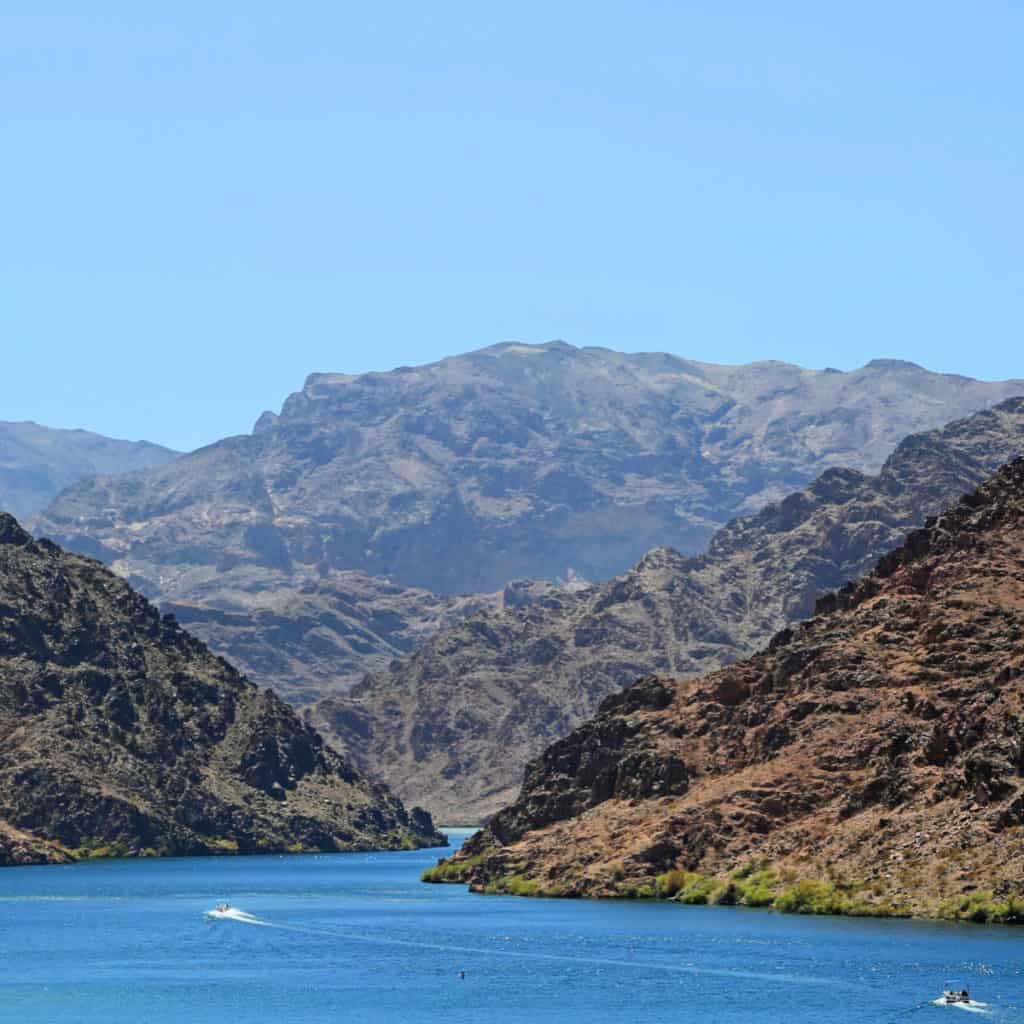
(868, 761)
(292, 550)
(511, 462)
(121, 734)
(453, 724)
(37, 463)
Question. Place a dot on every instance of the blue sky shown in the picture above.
(202, 203)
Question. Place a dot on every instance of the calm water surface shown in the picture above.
(356, 937)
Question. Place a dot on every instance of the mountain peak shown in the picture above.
(893, 364)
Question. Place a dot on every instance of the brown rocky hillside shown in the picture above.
(870, 760)
(121, 734)
(453, 724)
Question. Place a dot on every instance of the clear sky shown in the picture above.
(203, 202)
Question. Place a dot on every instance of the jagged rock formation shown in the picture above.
(37, 463)
(120, 733)
(875, 752)
(453, 724)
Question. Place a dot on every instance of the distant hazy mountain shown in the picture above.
(514, 461)
(37, 463)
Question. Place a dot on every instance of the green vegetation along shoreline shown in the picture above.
(765, 888)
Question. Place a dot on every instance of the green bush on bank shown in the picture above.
(747, 887)
(981, 906)
(452, 870)
(118, 848)
(687, 887)
(752, 887)
(513, 885)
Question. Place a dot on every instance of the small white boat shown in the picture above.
(226, 912)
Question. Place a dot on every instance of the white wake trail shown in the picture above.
(244, 918)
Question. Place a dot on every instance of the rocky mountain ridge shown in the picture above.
(37, 463)
(322, 546)
(121, 734)
(514, 461)
(870, 760)
(453, 724)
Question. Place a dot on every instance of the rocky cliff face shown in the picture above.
(37, 463)
(870, 760)
(122, 734)
(308, 553)
(453, 724)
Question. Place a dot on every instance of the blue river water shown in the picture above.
(357, 937)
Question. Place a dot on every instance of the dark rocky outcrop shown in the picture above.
(453, 724)
(872, 758)
(121, 734)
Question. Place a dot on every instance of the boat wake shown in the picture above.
(234, 914)
(971, 1007)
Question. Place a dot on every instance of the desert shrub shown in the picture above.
(699, 890)
(982, 907)
(810, 897)
(813, 897)
(513, 885)
(756, 889)
(452, 870)
(116, 848)
(1009, 911)
(671, 882)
